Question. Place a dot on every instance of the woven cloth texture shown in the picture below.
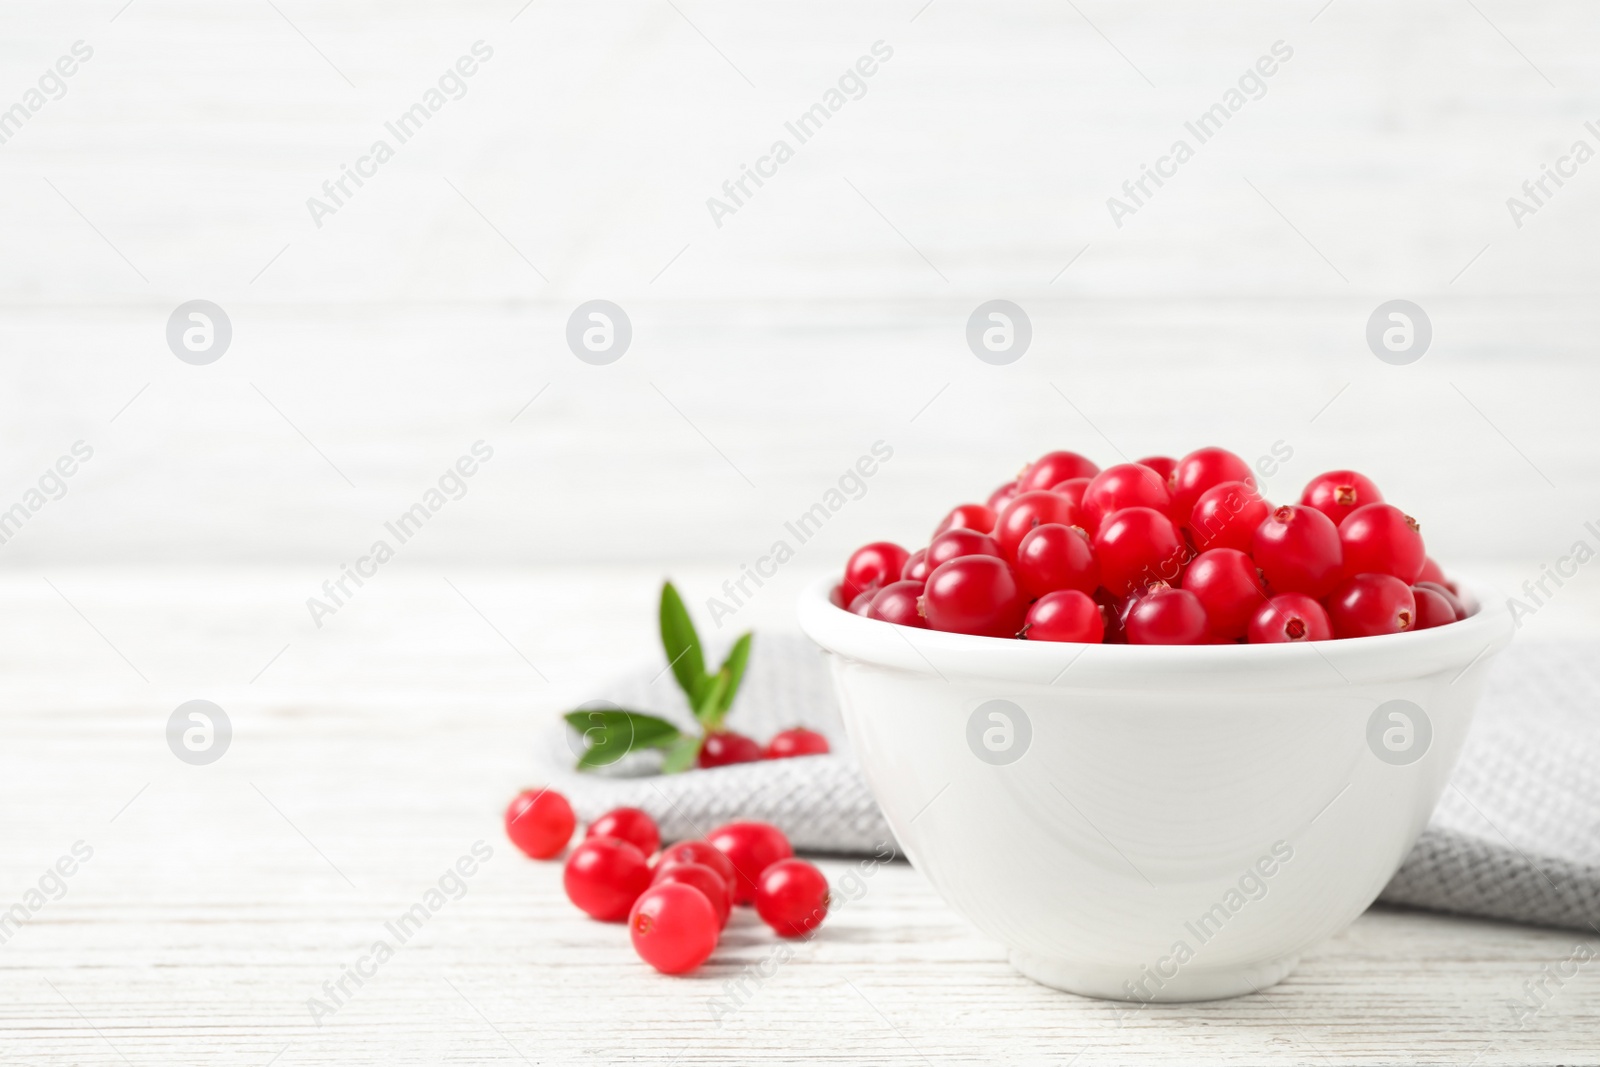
(1516, 835)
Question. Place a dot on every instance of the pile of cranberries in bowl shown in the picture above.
(1160, 552)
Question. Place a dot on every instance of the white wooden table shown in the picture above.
(368, 757)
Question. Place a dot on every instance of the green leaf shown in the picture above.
(610, 734)
(682, 646)
(709, 712)
(738, 658)
(681, 754)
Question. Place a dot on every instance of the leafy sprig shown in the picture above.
(611, 733)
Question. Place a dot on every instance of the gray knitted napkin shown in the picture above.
(1516, 835)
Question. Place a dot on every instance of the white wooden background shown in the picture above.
(768, 354)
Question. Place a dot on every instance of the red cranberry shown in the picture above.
(1366, 605)
(724, 747)
(792, 898)
(1125, 485)
(899, 603)
(1065, 615)
(862, 604)
(1431, 572)
(1112, 611)
(1229, 587)
(604, 876)
(979, 517)
(1054, 467)
(632, 825)
(1002, 496)
(1289, 617)
(953, 544)
(1137, 546)
(540, 822)
(1298, 551)
(1162, 465)
(751, 847)
(797, 741)
(1450, 595)
(1432, 608)
(1027, 510)
(1199, 471)
(871, 566)
(974, 595)
(1381, 539)
(710, 883)
(674, 928)
(1054, 557)
(702, 852)
(1337, 493)
(1072, 489)
(916, 568)
(1167, 616)
(1226, 516)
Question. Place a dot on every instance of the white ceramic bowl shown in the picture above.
(1156, 823)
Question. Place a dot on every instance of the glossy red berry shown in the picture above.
(862, 604)
(540, 822)
(1065, 615)
(1382, 539)
(873, 566)
(1002, 496)
(1072, 489)
(953, 544)
(1162, 465)
(706, 879)
(1027, 510)
(722, 748)
(1432, 608)
(703, 853)
(1367, 605)
(1054, 557)
(1298, 550)
(1337, 493)
(1431, 572)
(979, 517)
(604, 876)
(1230, 589)
(751, 847)
(1125, 485)
(974, 595)
(674, 928)
(792, 898)
(1226, 516)
(1112, 611)
(916, 568)
(1137, 546)
(1199, 471)
(899, 603)
(1450, 595)
(797, 741)
(628, 824)
(1287, 618)
(1167, 616)
(1056, 467)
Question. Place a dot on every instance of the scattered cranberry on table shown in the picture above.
(1163, 551)
(797, 741)
(677, 908)
(724, 747)
(540, 822)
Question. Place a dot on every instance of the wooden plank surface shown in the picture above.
(368, 758)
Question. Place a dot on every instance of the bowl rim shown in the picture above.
(1456, 647)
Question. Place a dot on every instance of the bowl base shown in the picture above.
(1189, 984)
